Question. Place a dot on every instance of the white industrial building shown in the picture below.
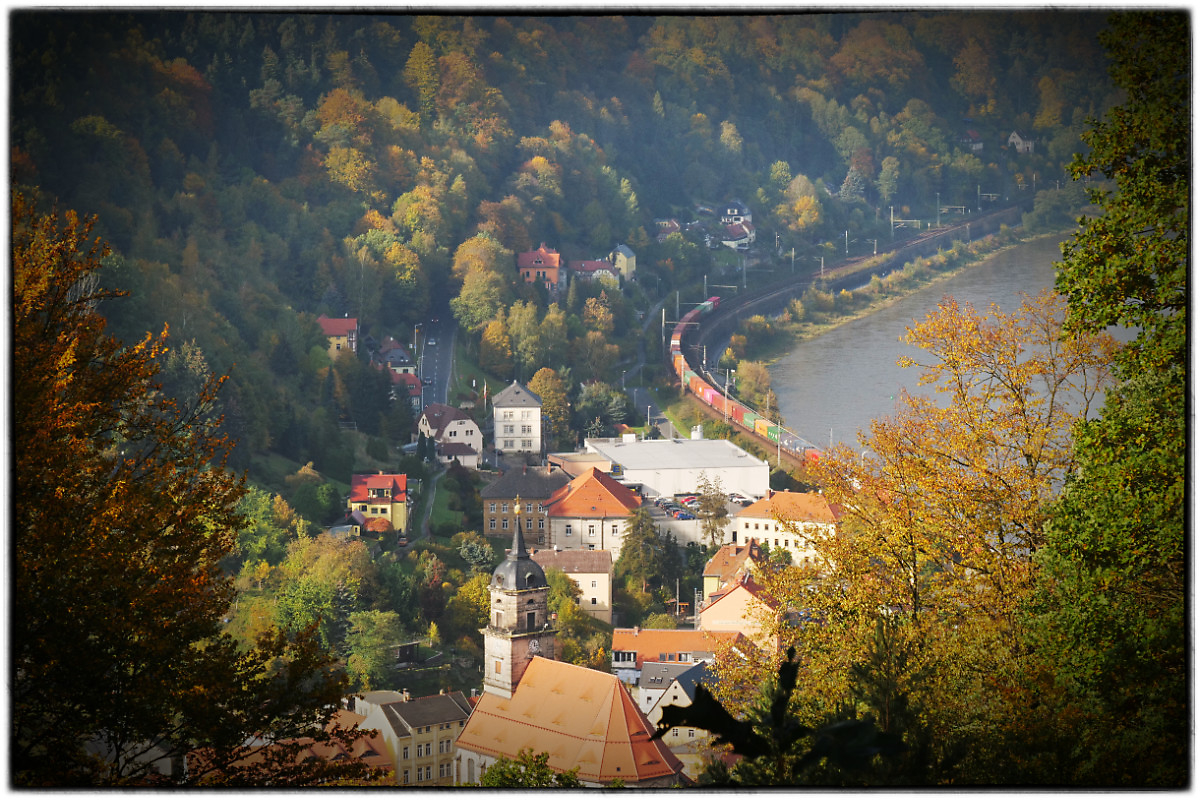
(668, 467)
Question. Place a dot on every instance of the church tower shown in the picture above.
(518, 620)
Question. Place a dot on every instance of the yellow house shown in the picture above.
(381, 496)
(342, 334)
(419, 732)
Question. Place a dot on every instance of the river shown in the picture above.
(833, 385)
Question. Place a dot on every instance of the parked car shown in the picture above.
(683, 515)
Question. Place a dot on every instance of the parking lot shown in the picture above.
(687, 530)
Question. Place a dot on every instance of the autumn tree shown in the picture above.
(495, 348)
(550, 386)
(946, 502)
(121, 501)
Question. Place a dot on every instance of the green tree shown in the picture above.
(528, 770)
(713, 511)
(1112, 609)
(642, 549)
(121, 501)
(369, 641)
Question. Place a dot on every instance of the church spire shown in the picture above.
(518, 543)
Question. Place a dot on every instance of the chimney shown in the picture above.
(636, 630)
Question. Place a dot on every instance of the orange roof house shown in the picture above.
(540, 266)
(380, 495)
(729, 562)
(590, 513)
(793, 521)
(582, 719)
(633, 647)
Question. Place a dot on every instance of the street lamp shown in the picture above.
(939, 209)
(822, 258)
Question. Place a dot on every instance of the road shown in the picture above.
(435, 356)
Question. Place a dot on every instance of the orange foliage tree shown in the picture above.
(943, 506)
(121, 510)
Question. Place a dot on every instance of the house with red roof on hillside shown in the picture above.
(342, 334)
(595, 271)
(380, 495)
(540, 266)
(590, 513)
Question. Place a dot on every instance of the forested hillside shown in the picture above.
(253, 171)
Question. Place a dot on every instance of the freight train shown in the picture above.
(731, 409)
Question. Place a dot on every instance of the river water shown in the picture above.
(832, 386)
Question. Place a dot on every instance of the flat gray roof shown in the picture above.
(692, 454)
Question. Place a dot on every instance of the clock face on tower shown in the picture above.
(535, 647)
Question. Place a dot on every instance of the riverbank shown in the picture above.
(830, 312)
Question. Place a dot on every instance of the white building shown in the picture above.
(669, 467)
(592, 571)
(794, 521)
(455, 432)
(517, 418)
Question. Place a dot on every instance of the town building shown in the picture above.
(540, 266)
(744, 607)
(728, 564)
(675, 685)
(592, 571)
(582, 719)
(455, 432)
(342, 334)
(419, 732)
(624, 261)
(1021, 142)
(669, 467)
(591, 513)
(595, 272)
(396, 358)
(794, 521)
(521, 493)
(632, 648)
(517, 420)
(383, 495)
(735, 212)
